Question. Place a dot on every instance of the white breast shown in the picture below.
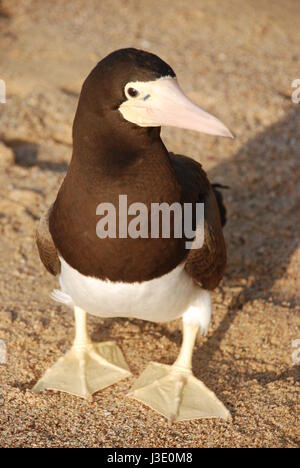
(158, 300)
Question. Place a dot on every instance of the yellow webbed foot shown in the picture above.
(177, 394)
(85, 369)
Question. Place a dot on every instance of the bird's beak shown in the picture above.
(163, 103)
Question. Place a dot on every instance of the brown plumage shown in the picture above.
(206, 265)
(46, 247)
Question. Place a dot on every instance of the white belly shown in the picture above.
(158, 300)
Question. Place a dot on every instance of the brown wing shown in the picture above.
(207, 264)
(46, 247)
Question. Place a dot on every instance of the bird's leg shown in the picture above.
(174, 391)
(87, 367)
(184, 359)
(81, 334)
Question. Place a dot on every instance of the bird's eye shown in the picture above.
(132, 92)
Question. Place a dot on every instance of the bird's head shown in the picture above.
(138, 87)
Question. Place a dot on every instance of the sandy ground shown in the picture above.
(237, 59)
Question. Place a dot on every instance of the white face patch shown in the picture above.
(141, 98)
(162, 103)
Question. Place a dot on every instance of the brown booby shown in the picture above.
(117, 150)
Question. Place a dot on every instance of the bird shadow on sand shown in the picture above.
(263, 211)
(26, 154)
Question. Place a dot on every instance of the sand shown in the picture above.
(236, 59)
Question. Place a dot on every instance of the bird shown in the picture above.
(118, 151)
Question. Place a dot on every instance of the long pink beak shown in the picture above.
(175, 109)
(163, 103)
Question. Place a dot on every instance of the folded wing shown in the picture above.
(207, 264)
(46, 247)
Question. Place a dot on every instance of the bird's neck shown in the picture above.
(115, 149)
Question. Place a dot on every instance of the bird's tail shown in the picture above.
(59, 296)
(217, 190)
